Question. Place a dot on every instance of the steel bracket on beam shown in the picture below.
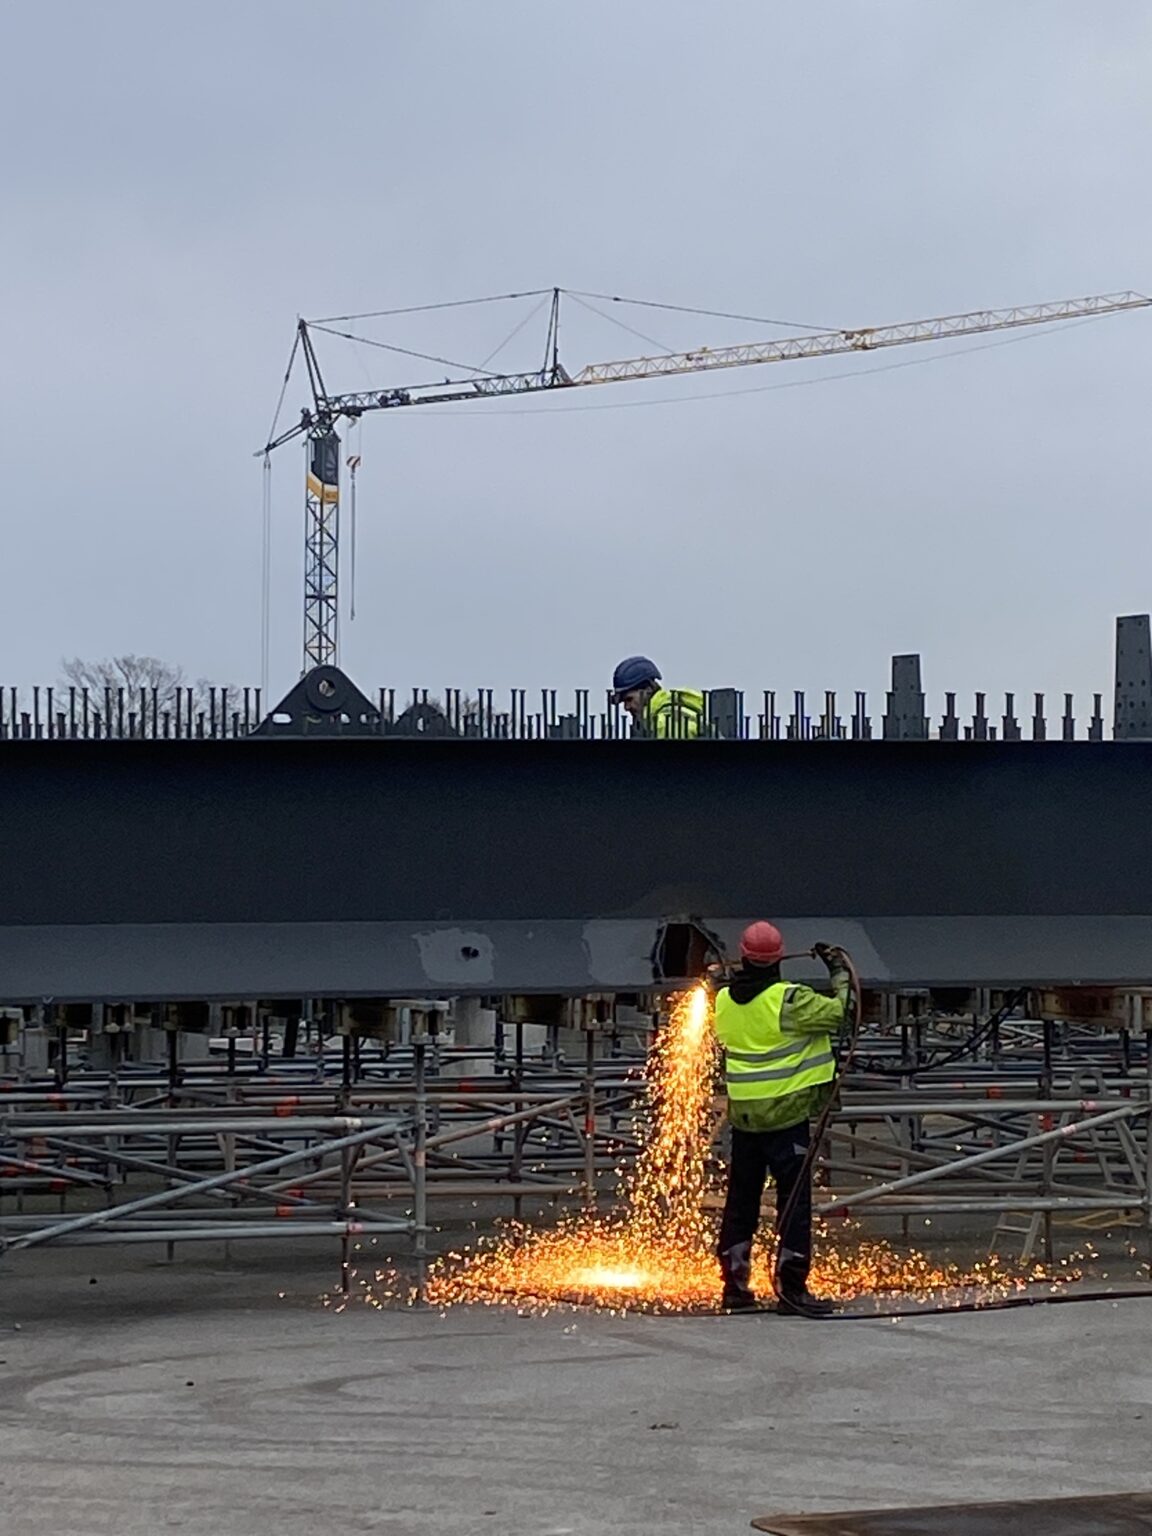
(325, 702)
(1132, 707)
(905, 719)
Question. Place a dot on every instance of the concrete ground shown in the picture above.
(137, 1397)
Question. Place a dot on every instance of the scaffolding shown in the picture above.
(992, 1121)
(250, 1146)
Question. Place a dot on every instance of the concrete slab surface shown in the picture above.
(139, 1398)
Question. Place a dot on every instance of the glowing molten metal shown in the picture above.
(657, 1252)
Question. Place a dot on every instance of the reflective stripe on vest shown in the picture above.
(761, 1059)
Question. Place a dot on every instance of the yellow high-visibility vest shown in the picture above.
(676, 713)
(762, 1058)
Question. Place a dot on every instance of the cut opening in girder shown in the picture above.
(684, 949)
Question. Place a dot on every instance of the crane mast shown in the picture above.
(322, 548)
(319, 424)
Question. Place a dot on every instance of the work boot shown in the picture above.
(804, 1304)
(736, 1269)
(795, 1299)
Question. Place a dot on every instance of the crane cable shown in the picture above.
(266, 529)
(353, 463)
(265, 575)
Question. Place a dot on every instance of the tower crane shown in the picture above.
(318, 423)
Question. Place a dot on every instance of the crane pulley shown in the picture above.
(319, 422)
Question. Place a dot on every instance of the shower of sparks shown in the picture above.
(656, 1253)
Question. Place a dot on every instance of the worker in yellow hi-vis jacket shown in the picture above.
(780, 1069)
(676, 713)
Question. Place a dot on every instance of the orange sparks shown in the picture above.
(656, 1253)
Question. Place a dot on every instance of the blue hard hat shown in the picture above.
(634, 672)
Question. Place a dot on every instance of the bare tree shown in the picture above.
(160, 680)
(465, 709)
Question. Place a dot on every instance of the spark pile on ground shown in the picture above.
(657, 1252)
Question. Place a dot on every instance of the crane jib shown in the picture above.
(321, 578)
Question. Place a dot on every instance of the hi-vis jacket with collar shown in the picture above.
(778, 1058)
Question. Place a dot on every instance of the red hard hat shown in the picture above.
(762, 943)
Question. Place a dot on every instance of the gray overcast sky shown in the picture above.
(181, 181)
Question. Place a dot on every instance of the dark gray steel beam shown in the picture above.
(336, 866)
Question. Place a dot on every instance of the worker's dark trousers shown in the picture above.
(755, 1154)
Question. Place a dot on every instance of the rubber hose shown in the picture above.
(825, 1115)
